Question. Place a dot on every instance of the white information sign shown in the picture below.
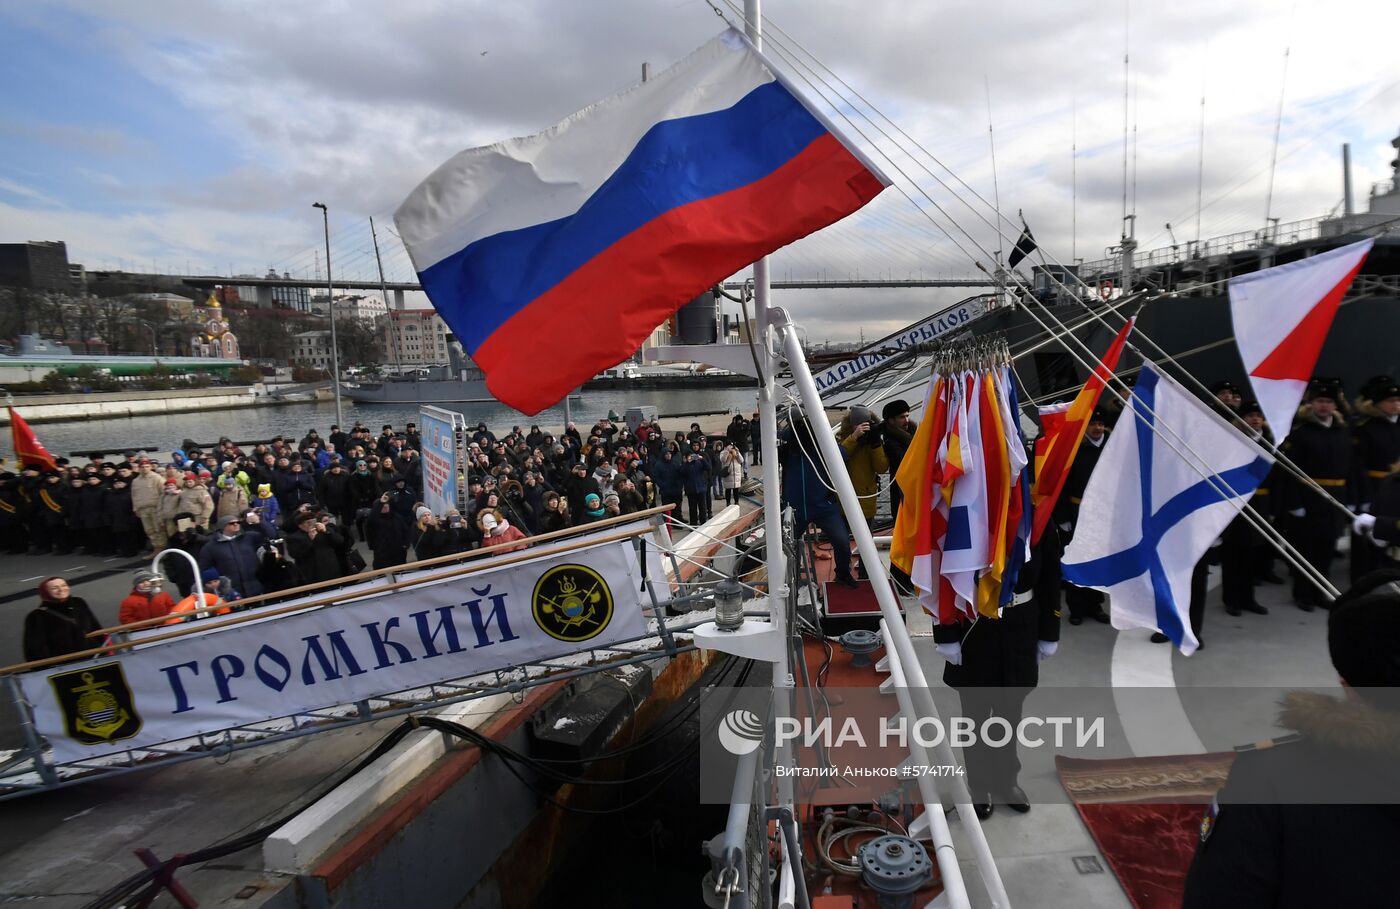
(439, 460)
(339, 654)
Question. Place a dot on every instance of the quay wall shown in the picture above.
(102, 405)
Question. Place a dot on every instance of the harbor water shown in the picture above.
(163, 432)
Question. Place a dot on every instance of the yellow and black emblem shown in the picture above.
(97, 704)
(572, 603)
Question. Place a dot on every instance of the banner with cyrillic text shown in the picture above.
(936, 326)
(340, 654)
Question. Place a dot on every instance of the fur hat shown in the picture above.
(1325, 388)
(1363, 632)
(894, 408)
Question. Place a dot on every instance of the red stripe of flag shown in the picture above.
(1062, 447)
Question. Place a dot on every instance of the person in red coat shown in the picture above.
(146, 600)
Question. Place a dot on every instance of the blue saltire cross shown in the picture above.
(1143, 556)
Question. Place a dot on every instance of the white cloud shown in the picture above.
(352, 104)
(28, 193)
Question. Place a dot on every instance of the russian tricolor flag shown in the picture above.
(554, 256)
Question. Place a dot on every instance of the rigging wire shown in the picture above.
(1206, 473)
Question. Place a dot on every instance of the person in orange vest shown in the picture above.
(146, 600)
(212, 598)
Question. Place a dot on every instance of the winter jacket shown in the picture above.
(178, 569)
(732, 468)
(432, 542)
(505, 533)
(268, 509)
(295, 488)
(401, 502)
(333, 491)
(56, 628)
(388, 537)
(697, 472)
(137, 607)
(196, 501)
(236, 558)
(669, 478)
(88, 508)
(318, 558)
(233, 502)
(550, 521)
(168, 507)
(145, 491)
(1329, 845)
(865, 463)
(364, 489)
(120, 516)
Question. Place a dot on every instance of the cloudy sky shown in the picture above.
(194, 136)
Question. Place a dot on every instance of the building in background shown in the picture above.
(312, 348)
(37, 265)
(368, 306)
(213, 336)
(415, 337)
(175, 307)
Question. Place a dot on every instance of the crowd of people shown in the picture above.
(289, 512)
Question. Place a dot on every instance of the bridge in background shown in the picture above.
(265, 285)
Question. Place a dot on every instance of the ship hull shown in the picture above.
(426, 392)
(1198, 333)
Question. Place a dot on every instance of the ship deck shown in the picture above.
(61, 849)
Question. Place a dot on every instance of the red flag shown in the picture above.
(27, 447)
(1061, 438)
(1281, 316)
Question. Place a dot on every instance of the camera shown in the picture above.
(874, 437)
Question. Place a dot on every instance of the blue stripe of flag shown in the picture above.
(677, 162)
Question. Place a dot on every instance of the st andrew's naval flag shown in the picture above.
(1148, 514)
(554, 256)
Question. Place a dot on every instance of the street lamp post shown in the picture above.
(330, 301)
(152, 329)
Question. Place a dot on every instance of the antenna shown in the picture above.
(1278, 120)
(1200, 169)
(384, 293)
(1135, 134)
(1127, 32)
(1278, 126)
(1073, 175)
(991, 139)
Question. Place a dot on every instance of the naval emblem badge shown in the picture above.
(572, 603)
(97, 704)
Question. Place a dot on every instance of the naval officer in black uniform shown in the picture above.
(994, 663)
(1240, 543)
(1376, 448)
(1321, 448)
(1083, 603)
(1313, 819)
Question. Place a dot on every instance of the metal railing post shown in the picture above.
(898, 635)
(33, 744)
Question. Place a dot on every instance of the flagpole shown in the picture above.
(898, 639)
(778, 593)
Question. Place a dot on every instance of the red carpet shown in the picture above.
(1145, 815)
